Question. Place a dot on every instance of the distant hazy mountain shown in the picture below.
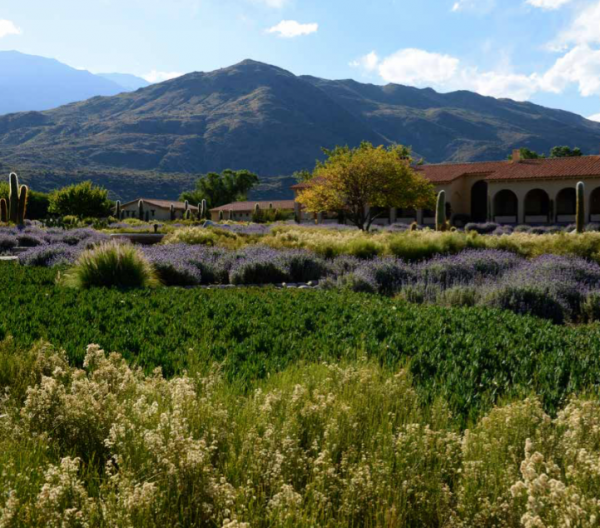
(126, 80)
(28, 82)
(266, 119)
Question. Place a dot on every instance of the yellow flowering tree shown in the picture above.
(360, 182)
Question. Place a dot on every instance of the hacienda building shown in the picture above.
(516, 191)
(243, 211)
(156, 209)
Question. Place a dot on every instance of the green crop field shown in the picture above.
(471, 356)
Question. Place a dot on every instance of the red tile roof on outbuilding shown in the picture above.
(249, 206)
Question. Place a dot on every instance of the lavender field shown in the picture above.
(561, 288)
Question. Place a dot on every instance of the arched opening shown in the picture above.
(406, 215)
(479, 201)
(537, 206)
(566, 204)
(506, 206)
(595, 205)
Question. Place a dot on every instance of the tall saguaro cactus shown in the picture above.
(172, 212)
(204, 209)
(13, 198)
(440, 212)
(17, 200)
(118, 210)
(3, 210)
(22, 204)
(141, 210)
(580, 207)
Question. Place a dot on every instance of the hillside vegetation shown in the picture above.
(267, 120)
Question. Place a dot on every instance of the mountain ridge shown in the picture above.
(264, 118)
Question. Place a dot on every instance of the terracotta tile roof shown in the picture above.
(249, 206)
(162, 204)
(448, 172)
(554, 168)
(298, 186)
(540, 169)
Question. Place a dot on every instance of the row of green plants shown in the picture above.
(409, 245)
(472, 357)
(324, 444)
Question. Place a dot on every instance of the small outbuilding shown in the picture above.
(156, 209)
(243, 211)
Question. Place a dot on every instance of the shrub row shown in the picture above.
(317, 445)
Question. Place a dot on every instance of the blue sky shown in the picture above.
(546, 51)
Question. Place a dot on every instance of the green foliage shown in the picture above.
(580, 210)
(364, 180)
(221, 189)
(82, 200)
(111, 265)
(472, 357)
(37, 202)
(265, 216)
(565, 152)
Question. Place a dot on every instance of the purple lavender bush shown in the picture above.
(385, 276)
(49, 255)
(173, 265)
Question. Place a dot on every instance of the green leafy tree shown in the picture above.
(565, 152)
(83, 200)
(302, 176)
(221, 189)
(365, 181)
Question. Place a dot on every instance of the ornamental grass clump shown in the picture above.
(111, 265)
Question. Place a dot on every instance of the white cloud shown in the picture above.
(274, 4)
(158, 76)
(368, 62)
(425, 69)
(418, 67)
(579, 66)
(595, 117)
(548, 4)
(291, 29)
(584, 29)
(9, 28)
(475, 6)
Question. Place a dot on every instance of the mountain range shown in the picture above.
(263, 118)
(29, 82)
